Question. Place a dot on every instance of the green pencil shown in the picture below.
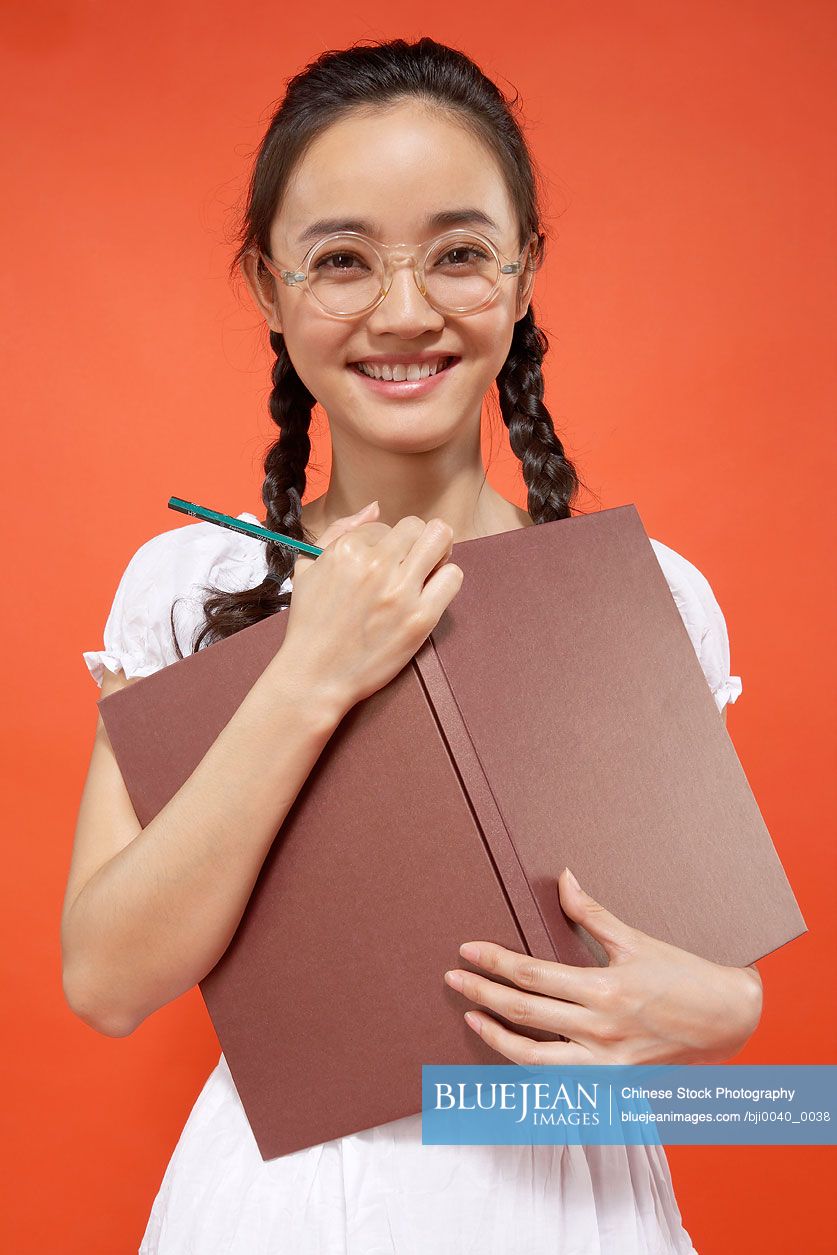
(238, 525)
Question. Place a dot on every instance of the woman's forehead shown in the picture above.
(397, 170)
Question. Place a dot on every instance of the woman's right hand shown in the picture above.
(360, 610)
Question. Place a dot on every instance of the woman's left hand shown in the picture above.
(653, 1003)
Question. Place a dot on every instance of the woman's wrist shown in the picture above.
(318, 700)
(743, 1003)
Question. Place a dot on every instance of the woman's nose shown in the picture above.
(404, 309)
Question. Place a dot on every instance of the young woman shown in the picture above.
(390, 242)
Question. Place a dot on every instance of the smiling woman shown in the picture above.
(399, 343)
(341, 179)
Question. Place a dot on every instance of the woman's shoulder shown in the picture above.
(703, 619)
(197, 553)
(167, 577)
(179, 564)
(689, 586)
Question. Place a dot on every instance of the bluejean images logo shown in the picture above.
(541, 1101)
(723, 1104)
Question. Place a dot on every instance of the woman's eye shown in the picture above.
(463, 256)
(343, 261)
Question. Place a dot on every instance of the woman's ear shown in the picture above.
(262, 287)
(526, 285)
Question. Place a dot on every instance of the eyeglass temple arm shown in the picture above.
(515, 267)
(289, 276)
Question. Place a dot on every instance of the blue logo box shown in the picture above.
(669, 1104)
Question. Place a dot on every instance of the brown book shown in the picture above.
(556, 716)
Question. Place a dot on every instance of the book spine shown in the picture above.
(489, 821)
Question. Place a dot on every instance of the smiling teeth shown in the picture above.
(411, 373)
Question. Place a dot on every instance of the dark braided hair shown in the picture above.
(364, 76)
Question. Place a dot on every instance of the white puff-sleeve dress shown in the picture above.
(380, 1191)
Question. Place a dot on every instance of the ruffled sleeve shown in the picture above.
(168, 575)
(703, 620)
(132, 637)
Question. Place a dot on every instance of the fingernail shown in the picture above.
(470, 951)
(571, 878)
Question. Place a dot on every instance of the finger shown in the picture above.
(430, 550)
(524, 1050)
(582, 985)
(442, 561)
(523, 1007)
(339, 527)
(409, 537)
(617, 938)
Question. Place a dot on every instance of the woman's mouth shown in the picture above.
(416, 383)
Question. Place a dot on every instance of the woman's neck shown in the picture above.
(494, 515)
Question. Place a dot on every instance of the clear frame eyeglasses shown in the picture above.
(349, 274)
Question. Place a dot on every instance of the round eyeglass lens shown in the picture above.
(346, 275)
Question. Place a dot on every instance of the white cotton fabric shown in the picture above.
(380, 1192)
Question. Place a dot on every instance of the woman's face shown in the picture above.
(392, 170)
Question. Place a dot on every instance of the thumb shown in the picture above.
(614, 934)
(338, 528)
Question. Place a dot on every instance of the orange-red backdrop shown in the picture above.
(691, 198)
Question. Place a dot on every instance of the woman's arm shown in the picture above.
(149, 912)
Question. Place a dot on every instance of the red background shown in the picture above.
(689, 153)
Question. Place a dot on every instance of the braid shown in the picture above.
(285, 464)
(550, 477)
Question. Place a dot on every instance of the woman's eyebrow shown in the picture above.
(434, 222)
